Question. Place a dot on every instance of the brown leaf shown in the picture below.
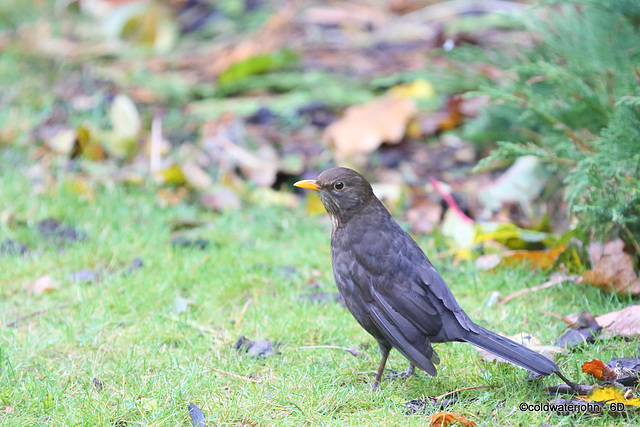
(365, 127)
(541, 259)
(169, 197)
(442, 419)
(613, 269)
(195, 176)
(424, 214)
(599, 370)
(220, 200)
(43, 284)
(625, 322)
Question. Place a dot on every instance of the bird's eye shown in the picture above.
(339, 185)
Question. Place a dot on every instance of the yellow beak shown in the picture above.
(308, 184)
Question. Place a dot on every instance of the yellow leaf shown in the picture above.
(612, 394)
(418, 89)
(313, 204)
(173, 175)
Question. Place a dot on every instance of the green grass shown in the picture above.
(153, 362)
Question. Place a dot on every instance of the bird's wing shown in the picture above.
(408, 291)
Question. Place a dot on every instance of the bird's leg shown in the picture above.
(571, 384)
(383, 362)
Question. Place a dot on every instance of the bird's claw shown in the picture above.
(402, 375)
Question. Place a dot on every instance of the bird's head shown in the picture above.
(343, 192)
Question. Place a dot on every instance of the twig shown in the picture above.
(354, 353)
(243, 311)
(35, 313)
(634, 242)
(549, 313)
(231, 374)
(442, 396)
(450, 201)
(556, 279)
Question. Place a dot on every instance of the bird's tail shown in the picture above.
(511, 351)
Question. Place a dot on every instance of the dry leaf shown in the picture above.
(365, 127)
(442, 419)
(424, 214)
(220, 200)
(195, 176)
(169, 197)
(612, 269)
(43, 284)
(625, 322)
(172, 175)
(599, 370)
(540, 259)
(63, 141)
(124, 116)
(520, 184)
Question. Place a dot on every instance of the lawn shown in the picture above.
(138, 344)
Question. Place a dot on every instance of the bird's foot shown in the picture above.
(402, 375)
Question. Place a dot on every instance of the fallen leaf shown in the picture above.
(88, 145)
(257, 64)
(11, 247)
(443, 419)
(453, 119)
(254, 348)
(537, 259)
(63, 141)
(488, 262)
(172, 175)
(180, 305)
(312, 203)
(459, 229)
(584, 329)
(183, 242)
(220, 200)
(520, 184)
(599, 370)
(134, 265)
(625, 322)
(43, 284)
(612, 269)
(195, 176)
(169, 197)
(52, 228)
(424, 214)
(417, 89)
(363, 128)
(612, 394)
(147, 23)
(87, 276)
(124, 116)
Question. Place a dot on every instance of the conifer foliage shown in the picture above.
(574, 102)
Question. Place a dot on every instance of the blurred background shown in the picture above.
(461, 112)
(153, 251)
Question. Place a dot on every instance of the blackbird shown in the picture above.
(390, 286)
